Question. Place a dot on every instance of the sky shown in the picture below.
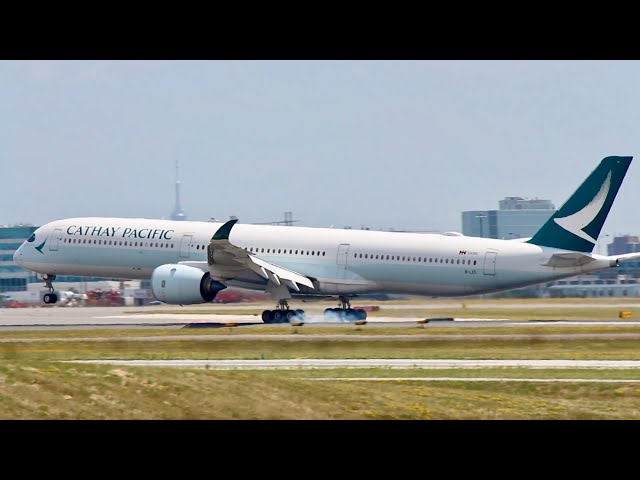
(407, 145)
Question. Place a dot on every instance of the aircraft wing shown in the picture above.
(225, 261)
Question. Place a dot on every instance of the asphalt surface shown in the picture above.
(367, 363)
(125, 317)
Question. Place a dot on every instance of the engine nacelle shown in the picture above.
(183, 285)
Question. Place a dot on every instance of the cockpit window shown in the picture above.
(31, 238)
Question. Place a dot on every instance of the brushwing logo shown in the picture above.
(40, 247)
(576, 222)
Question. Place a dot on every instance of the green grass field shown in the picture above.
(50, 390)
(37, 383)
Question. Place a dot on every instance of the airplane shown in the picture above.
(189, 262)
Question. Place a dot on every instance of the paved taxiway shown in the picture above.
(367, 363)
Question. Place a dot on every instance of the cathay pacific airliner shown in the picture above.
(190, 262)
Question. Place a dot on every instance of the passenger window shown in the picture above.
(279, 250)
(387, 257)
(474, 262)
(414, 259)
(262, 251)
(290, 252)
(313, 253)
(366, 255)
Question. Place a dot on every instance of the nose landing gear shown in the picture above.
(49, 297)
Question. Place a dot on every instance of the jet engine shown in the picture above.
(183, 285)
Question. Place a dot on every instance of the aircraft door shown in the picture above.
(490, 263)
(55, 238)
(343, 252)
(185, 246)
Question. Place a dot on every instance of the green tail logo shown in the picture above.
(578, 223)
(40, 247)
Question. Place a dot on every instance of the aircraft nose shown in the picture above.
(17, 256)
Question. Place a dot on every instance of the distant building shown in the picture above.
(626, 244)
(14, 278)
(517, 218)
(595, 286)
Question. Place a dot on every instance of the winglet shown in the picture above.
(224, 231)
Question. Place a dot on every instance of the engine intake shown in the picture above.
(183, 285)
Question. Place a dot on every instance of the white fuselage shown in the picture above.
(342, 261)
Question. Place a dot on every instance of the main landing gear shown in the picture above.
(282, 314)
(49, 297)
(345, 312)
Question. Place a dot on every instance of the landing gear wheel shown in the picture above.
(351, 314)
(267, 317)
(291, 315)
(277, 316)
(50, 298)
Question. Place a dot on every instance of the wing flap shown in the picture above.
(223, 254)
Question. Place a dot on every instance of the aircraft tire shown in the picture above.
(50, 298)
(267, 317)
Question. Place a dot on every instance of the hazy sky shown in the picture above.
(385, 144)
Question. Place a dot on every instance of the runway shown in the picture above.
(367, 363)
(127, 317)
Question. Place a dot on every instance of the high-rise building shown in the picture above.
(178, 213)
(517, 218)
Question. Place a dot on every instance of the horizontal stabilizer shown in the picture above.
(564, 260)
(626, 257)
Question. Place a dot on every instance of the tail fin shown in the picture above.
(577, 224)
